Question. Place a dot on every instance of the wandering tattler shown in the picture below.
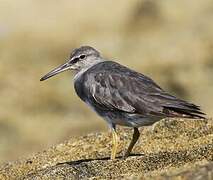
(120, 95)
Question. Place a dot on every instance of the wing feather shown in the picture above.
(118, 88)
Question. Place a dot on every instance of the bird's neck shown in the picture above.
(88, 66)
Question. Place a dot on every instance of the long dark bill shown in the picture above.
(55, 71)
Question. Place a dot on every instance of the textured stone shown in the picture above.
(173, 148)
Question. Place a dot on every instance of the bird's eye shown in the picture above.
(82, 56)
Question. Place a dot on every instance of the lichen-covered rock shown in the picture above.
(172, 148)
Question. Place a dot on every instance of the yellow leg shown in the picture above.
(135, 137)
(114, 143)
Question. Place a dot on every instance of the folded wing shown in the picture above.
(117, 88)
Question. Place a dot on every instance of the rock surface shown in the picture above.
(173, 148)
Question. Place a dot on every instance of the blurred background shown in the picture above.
(171, 41)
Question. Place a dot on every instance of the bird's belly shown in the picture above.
(127, 119)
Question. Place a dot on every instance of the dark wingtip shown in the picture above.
(196, 116)
(187, 111)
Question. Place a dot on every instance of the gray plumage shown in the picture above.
(112, 88)
(120, 95)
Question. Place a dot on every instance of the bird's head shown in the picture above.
(80, 59)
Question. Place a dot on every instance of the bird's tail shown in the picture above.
(186, 110)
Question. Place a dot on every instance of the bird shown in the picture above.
(120, 95)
